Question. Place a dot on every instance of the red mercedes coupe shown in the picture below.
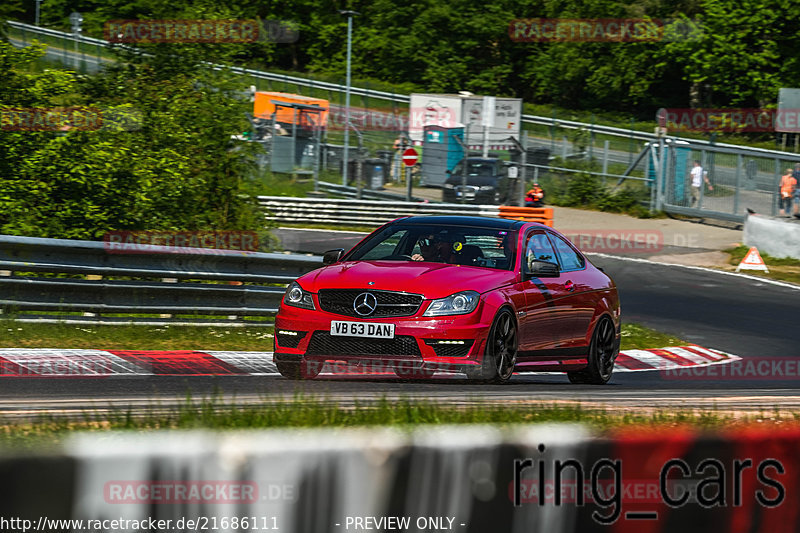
(483, 296)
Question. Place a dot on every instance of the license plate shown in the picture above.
(370, 330)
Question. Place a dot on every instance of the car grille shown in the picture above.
(443, 348)
(340, 301)
(323, 343)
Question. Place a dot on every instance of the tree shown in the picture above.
(170, 164)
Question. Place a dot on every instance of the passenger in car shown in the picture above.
(427, 248)
(444, 248)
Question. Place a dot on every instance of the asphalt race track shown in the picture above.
(751, 318)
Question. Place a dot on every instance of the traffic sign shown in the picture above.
(752, 261)
(410, 157)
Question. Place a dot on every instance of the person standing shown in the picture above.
(796, 195)
(788, 186)
(698, 176)
(534, 197)
(397, 171)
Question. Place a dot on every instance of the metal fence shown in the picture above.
(740, 179)
(98, 277)
(743, 177)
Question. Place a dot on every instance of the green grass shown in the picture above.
(275, 184)
(402, 414)
(783, 269)
(300, 411)
(636, 336)
(15, 334)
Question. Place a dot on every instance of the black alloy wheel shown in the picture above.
(603, 352)
(501, 351)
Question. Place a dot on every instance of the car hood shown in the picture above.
(433, 280)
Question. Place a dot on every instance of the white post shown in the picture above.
(487, 121)
(349, 15)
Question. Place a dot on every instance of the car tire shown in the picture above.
(603, 351)
(302, 369)
(500, 356)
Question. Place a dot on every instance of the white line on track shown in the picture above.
(698, 268)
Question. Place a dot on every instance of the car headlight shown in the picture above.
(459, 303)
(487, 187)
(297, 297)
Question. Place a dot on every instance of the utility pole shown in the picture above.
(349, 14)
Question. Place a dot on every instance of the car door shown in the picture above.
(578, 298)
(540, 319)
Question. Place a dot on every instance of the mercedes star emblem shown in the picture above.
(365, 303)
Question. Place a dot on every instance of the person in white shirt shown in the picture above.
(698, 176)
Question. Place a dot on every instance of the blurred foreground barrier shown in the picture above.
(543, 215)
(779, 237)
(551, 478)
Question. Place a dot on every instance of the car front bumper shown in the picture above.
(446, 342)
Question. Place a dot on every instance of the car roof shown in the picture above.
(451, 220)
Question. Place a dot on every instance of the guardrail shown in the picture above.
(60, 275)
(160, 266)
(366, 194)
(374, 213)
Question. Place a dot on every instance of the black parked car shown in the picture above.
(487, 182)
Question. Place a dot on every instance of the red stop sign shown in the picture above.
(410, 157)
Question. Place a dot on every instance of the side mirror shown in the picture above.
(332, 256)
(543, 269)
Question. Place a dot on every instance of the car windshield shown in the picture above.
(481, 169)
(460, 245)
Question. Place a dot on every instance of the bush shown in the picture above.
(583, 190)
(587, 191)
(619, 202)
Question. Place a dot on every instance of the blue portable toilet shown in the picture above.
(681, 165)
(441, 152)
(677, 161)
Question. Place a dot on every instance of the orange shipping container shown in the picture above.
(264, 108)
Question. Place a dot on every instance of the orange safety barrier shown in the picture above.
(528, 214)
